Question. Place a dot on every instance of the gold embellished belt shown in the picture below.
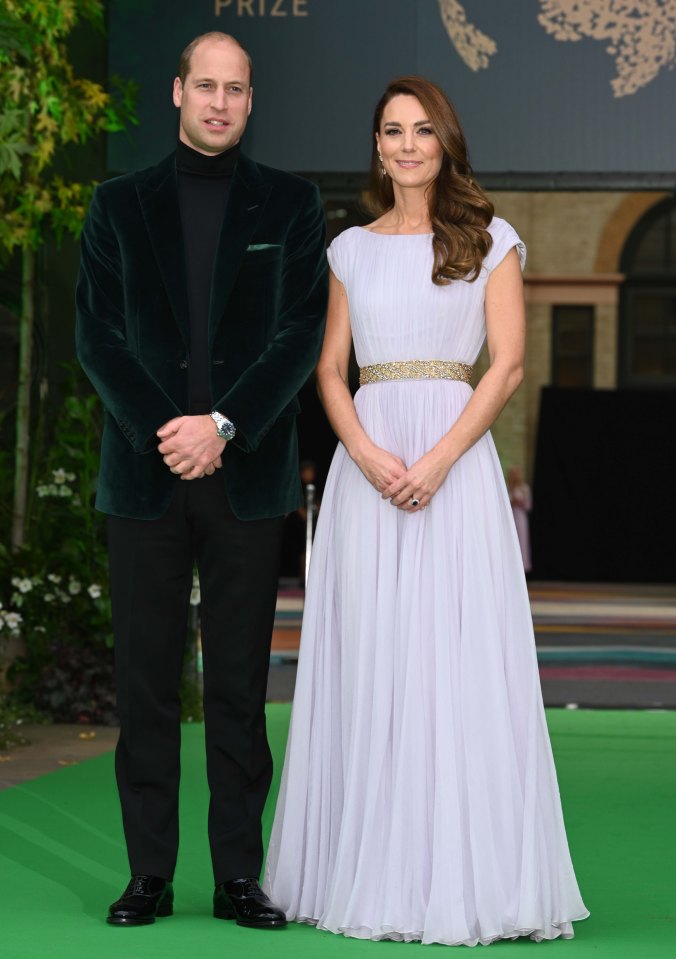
(415, 370)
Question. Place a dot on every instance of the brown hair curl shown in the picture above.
(459, 209)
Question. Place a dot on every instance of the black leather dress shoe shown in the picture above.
(245, 901)
(145, 898)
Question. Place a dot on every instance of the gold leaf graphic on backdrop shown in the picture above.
(472, 45)
(642, 34)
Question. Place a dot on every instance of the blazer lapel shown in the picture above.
(248, 196)
(158, 195)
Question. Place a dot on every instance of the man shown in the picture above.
(200, 308)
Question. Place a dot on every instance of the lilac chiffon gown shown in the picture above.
(419, 798)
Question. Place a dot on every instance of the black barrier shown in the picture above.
(604, 491)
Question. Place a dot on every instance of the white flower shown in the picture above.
(70, 477)
(13, 620)
(58, 488)
(53, 578)
(74, 587)
(15, 580)
(49, 597)
(24, 585)
(94, 590)
(59, 476)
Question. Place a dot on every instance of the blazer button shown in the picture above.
(183, 365)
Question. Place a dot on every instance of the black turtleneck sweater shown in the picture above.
(203, 190)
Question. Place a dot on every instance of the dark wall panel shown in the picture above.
(604, 490)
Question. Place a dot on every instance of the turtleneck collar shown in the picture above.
(199, 164)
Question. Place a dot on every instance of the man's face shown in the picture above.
(215, 98)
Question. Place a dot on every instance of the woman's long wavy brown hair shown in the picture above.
(459, 209)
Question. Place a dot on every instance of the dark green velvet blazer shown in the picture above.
(268, 304)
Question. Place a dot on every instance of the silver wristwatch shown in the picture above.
(224, 427)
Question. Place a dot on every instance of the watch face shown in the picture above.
(225, 429)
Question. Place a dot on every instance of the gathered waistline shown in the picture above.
(415, 370)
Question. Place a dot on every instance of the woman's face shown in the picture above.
(407, 142)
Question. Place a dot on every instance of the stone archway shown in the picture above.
(647, 309)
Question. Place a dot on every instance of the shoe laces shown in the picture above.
(140, 885)
(246, 887)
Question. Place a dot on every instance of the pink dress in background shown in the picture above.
(419, 798)
(522, 503)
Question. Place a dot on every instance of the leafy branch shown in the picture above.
(45, 109)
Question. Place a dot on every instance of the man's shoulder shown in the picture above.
(281, 179)
(125, 182)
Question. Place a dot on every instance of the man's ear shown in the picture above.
(178, 92)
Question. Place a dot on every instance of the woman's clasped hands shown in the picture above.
(410, 490)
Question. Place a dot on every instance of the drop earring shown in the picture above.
(383, 171)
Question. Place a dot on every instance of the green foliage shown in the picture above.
(14, 716)
(54, 592)
(46, 107)
(6, 473)
(12, 146)
(77, 686)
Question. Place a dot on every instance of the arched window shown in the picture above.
(647, 347)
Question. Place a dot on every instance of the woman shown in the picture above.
(522, 501)
(419, 798)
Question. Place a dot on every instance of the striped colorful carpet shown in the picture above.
(610, 645)
(597, 645)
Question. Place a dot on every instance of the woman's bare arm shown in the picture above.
(378, 466)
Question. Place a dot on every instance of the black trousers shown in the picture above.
(151, 564)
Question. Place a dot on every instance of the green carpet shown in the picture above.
(62, 858)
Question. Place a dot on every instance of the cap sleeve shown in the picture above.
(337, 256)
(505, 238)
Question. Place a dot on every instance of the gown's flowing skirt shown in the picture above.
(419, 799)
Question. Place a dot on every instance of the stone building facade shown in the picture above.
(575, 244)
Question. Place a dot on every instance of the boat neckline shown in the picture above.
(375, 233)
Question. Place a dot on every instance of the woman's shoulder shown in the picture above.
(504, 238)
(342, 252)
(498, 227)
(347, 238)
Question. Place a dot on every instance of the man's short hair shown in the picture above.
(184, 62)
